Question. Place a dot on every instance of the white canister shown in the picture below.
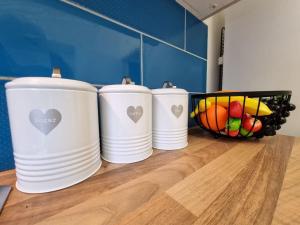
(126, 123)
(170, 118)
(55, 133)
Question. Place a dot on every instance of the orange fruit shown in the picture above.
(213, 121)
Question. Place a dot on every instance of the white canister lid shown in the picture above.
(49, 83)
(169, 91)
(124, 88)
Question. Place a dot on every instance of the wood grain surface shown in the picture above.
(212, 181)
(288, 206)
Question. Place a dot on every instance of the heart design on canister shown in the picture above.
(45, 122)
(177, 110)
(135, 113)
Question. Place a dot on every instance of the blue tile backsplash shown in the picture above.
(161, 18)
(162, 63)
(6, 156)
(99, 41)
(83, 46)
(196, 36)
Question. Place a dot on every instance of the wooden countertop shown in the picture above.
(212, 181)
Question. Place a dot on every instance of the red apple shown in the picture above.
(246, 116)
(248, 123)
(236, 109)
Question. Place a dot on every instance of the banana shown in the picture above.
(200, 107)
(251, 105)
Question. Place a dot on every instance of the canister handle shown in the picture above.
(127, 80)
(56, 73)
(168, 84)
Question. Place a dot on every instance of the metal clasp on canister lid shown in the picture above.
(127, 80)
(56, 73)
(168, 84)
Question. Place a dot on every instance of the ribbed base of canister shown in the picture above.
(169, 147)
(39, 174)
(126, 150)
(170, 139)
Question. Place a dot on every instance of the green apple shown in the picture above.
(244, 133)
(233, 124)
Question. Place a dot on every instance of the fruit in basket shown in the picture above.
(269, 131)
(245, 133)
(246, 116)
(281, 120)
(232, 127)
(286, 113)
(214, 121)
(232, 133)
(200, 107)
(291, 107)
(233, 124)
(248, 123)
(235, 109)
(251, 104)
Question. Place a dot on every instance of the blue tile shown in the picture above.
(162, 19)
(162, 62)
(196, 36)
(6, 153)
(39, 35)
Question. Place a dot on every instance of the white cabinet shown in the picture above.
(203, 9)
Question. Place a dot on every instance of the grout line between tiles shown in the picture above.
(142, 60)
(184, 37)
(76, 5)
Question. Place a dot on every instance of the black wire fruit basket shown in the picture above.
(242, 114)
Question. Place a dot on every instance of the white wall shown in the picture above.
(262, 50)
(215, 24)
